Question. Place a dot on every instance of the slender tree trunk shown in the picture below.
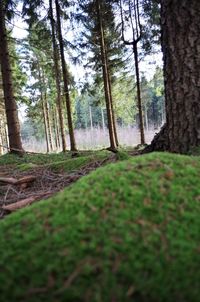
(45, 123)
(54, 129)
(103, 119)
(65, 80)
(91, 121)
(181, 47)
(137, 74)
(113, 144)
(146, 118)
(58, 129)
(10, 103)
(57, 76)
(48, 121)
(43, 108)
(112, 109)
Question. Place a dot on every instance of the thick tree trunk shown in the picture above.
(15, 143)
(113, 145)
(65, 80)
(57, 76)
(1, 138)
(181, 53)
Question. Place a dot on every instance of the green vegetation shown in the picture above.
(126, 232)
(53, 160)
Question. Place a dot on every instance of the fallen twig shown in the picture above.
(24, 202)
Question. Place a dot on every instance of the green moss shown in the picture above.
(126, 232)
(70, 164)
(29, 161)
(26, 166)
(76, 163)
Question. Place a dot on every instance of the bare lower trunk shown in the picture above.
(54, 129)
(1, 140)
(103, 119)
(48, 122)
(66, 81)
(58, 130)
(91, 121)
(113, 144)
(57, 77)
(141, 124)
(45, 123)
(181, 46)
(112, 109)
(10, 103)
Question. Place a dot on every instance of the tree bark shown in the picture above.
(113, 145)
(48, 122)
(181, 48)
(57, 77)
(15, 143)
(112, 107)
(137, 75)
(43, 107)
(65, 80)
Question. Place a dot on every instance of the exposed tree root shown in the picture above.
(160, 141)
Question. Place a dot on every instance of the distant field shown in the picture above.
(96, 138)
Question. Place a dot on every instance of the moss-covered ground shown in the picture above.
(129, 231)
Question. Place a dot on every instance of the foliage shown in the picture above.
(127, 232)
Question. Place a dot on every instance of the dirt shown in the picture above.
(46, 184)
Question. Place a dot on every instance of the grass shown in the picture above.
(126, 232)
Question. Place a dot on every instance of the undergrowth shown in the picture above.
(126, 232)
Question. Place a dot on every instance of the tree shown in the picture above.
(65, 78)
(57, 75)
(15, 143)
(102, 40)
(132, 15)
(181, 53)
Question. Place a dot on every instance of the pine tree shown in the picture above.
(15, 143)
(180, 44)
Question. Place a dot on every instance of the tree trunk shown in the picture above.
(91, 121)
(65, 80)
(10, 103)
(112, 107)
(43, 107)
(57, 76)
(146, 118)
(48, 121)
(45, 123)
(1, 139)
(181, 48)
(113, 145)
(103, 119)
(137, 74)
(54, 129)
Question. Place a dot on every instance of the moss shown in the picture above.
(26, 167)
(29, 161)
(126, 232)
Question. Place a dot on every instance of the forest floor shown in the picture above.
(27, 179)
(128, 231)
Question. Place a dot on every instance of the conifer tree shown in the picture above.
(15, 144)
